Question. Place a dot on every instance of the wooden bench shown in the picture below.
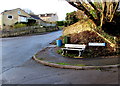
(75, 47)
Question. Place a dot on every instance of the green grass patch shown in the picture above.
(63, 63)
(79, 65)
(71, 64)
(70, 55)
(68, 64)
(41, 58)
(59, 51)
(36, 54)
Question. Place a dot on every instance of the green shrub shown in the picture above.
(107, 36)
(59, 51)
(60, 23)
(71, 18)
(20, 25)
(70, 55)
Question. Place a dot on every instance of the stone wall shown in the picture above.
(26, 31)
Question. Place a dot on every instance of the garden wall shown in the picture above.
(26, 31)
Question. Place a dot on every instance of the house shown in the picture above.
(49, 17)
(37, 19)
(40, 21)
(10, 17)
(0, 21)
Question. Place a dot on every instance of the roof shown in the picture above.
(47, 14)
(23, 15)
(15, 9)
(35, 16)
(11, 10)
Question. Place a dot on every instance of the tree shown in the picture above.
(71, 18)
(100, 13)
(60, 23)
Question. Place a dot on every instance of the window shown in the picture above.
(23, 19)
(10, 17)
(19, 12)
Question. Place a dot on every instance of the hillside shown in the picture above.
(78, 27)
(82, 32)
(88, 25)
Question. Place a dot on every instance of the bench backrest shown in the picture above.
(96, 44)
(75, 46)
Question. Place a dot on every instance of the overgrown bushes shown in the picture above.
(20, 25)
(71, 18)
(89, 36)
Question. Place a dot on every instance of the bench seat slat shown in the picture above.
(75, 46)
(71, 49)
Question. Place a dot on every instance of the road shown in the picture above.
(19, 68)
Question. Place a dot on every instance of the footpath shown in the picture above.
(49, 57)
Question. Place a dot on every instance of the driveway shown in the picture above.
(19, 68)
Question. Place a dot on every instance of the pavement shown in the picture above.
(49, 56)
(19, 68)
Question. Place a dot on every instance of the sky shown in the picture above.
(61, 7)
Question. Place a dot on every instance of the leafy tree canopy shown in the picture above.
(71, 18)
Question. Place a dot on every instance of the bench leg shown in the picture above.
(79, 53)
(63, 52)
(66, 51)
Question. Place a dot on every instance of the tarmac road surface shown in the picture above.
(19, 68)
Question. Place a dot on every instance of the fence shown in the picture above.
(25, 31)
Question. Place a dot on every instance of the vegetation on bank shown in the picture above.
(70, 19)
(19, 25)
(101, 13)
(84, 38)
(106, 29)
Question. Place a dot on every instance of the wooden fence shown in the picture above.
(25, 31)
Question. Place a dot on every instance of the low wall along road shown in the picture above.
(26, 31)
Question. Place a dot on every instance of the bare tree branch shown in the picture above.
(79, 6)
(100, 15)
(90, 2)
(115, 7)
